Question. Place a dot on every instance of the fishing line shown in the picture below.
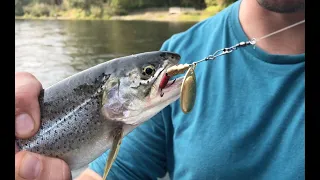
(179, 69)
(253, 42)
(280, 30)
(188, 88)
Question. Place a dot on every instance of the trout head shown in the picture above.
(132, 94)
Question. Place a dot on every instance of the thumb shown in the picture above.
(31, 166)
(27, 110)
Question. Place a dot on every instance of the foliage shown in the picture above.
(219, 2)
(211, 2)
(18, 10)
(37, 10)
(199, 4)
(102, 8)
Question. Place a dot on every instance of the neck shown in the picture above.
(257, 22)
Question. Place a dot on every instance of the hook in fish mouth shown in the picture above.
(170, 82)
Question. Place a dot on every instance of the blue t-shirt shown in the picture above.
(248, 122)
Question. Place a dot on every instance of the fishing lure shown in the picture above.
(172, 71)
(188, 88)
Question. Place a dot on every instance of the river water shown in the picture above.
(53, 50)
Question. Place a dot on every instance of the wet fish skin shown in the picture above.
(72, 125)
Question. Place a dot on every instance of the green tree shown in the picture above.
(219, 2)
(199, 4)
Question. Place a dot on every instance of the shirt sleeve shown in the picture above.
(142, 154)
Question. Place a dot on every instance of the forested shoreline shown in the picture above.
(180, 10)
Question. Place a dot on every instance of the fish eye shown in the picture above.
(148, 70)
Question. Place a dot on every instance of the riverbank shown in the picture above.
(150, 14)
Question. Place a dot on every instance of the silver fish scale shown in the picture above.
(75, 125)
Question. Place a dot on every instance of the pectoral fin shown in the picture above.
(113, 151)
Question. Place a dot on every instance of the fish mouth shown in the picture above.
(169, 92)
(172, 83)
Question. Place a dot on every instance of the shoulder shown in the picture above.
(199, 34)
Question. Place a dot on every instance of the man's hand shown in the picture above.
(27, 121)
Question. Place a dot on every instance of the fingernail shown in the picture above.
(24, 124)
(30, 167)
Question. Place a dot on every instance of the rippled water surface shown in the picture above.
(53, 50)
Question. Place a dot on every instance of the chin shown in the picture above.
(283, 6)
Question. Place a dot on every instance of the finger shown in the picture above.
(27, 111)
(37, 167)
(16, 148)
(89, 174)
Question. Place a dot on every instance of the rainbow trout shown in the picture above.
(90, 112)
